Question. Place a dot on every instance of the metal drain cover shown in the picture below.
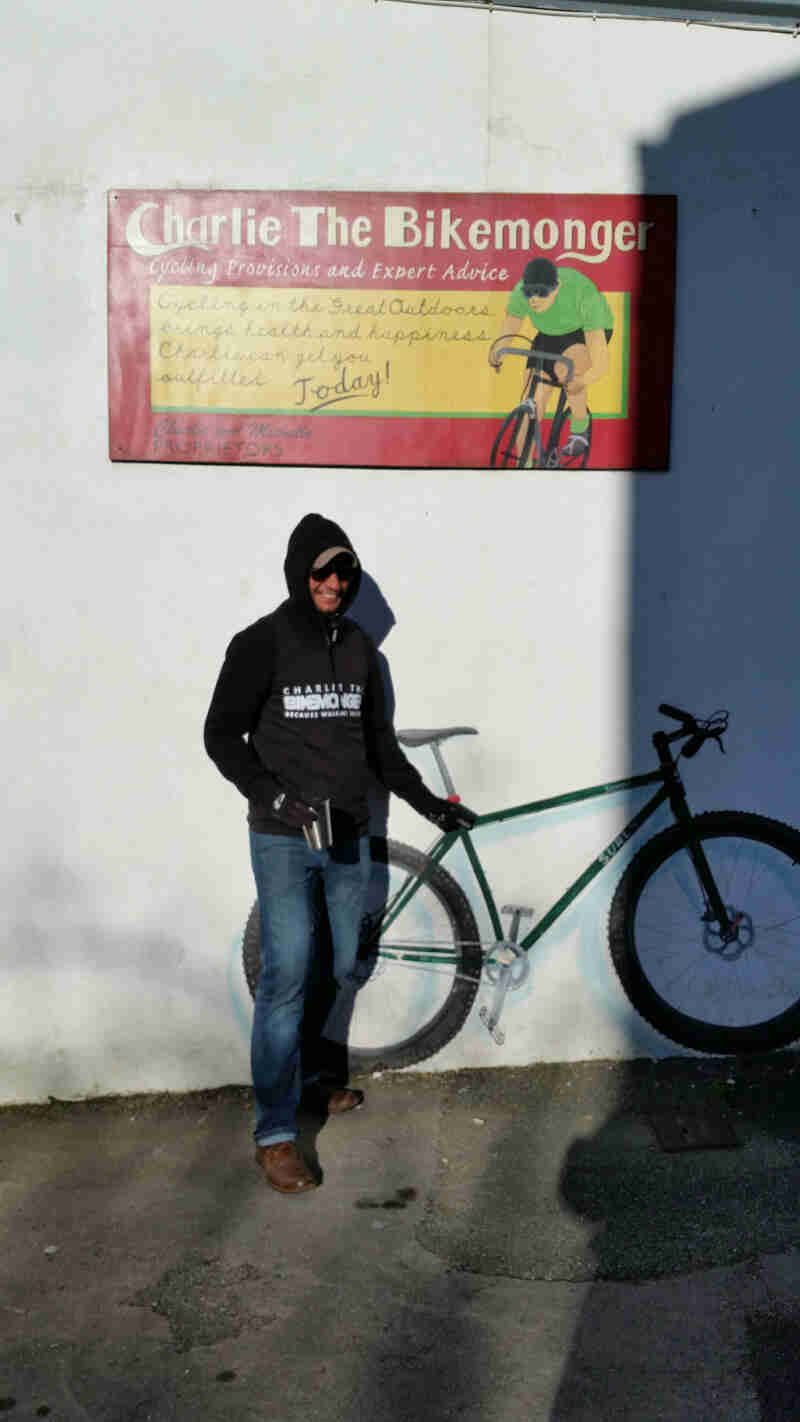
(693, 1126)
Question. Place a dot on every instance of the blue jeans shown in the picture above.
(310, 903)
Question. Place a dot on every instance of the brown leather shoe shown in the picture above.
(345, 1098)
(285, 1168)
(332, 1100)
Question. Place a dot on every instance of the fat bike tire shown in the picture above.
(394, 1014)
(670, 958)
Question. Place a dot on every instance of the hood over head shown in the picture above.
(313, 537)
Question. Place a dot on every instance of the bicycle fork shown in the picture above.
(716, 909)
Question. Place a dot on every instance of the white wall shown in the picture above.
(553, 614)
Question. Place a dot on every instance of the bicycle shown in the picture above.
(703, 926)
(519, 441)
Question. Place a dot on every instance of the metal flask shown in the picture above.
(319, 835)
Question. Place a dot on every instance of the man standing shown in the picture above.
(572, 317)
(298, 717)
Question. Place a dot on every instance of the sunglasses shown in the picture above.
(539, 291)
(342, 565)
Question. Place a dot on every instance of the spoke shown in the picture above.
(660, 930)
(769, 962)
(683, 974)
(684, 877)
(778, 926)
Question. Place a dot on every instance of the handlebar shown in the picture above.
(697, 730)
(539, 357)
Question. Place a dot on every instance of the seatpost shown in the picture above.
(444, 772)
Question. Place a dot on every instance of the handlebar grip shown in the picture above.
(676, 713)
(511, 350)
(693, 746)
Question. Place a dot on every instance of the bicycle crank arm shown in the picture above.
(490, 1016)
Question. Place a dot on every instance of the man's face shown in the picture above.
(542, 303)
(327, 594)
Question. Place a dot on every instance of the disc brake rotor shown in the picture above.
(742, 925)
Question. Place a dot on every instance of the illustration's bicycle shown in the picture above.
(520, 442)
(704, 926)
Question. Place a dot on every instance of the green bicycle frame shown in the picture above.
(664, 777)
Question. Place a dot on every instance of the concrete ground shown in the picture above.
(574, 1242)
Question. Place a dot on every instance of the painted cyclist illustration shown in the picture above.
(573, 319)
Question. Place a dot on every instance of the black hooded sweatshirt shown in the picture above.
(299, 704)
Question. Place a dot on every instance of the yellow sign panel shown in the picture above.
(262, 350)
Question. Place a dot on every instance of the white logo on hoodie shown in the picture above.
(322, 700)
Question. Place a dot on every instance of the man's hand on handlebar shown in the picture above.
(448, 815)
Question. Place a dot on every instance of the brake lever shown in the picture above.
(698, 740)
(721, 719)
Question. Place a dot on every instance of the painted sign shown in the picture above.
(380, 329)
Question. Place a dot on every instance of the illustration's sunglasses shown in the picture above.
(538, 290)
(342, 565)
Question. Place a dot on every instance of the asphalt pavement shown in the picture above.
(570, 1242)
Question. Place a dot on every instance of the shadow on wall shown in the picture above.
(714, 575)
(372, 612)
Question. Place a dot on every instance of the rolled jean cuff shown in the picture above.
(276, 1138)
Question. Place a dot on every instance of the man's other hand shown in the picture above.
(293, 812)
